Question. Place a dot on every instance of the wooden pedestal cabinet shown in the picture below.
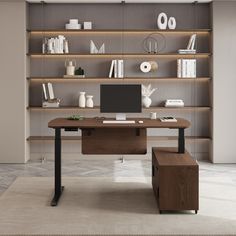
(175, 180)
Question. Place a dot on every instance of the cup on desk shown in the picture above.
(153, 115)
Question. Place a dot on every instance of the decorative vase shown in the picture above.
(89, 101)
(146, 101)
(82, 99)
(162, 21)
(172, 23)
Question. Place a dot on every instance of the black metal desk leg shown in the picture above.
(58, 187)
(181, 141)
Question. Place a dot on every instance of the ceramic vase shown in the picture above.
(172, 23)
(162, 21)
(146, 101)
(89, 101)
(82, 99)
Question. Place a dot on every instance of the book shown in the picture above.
(168, 119)
(186, 51)
(50, 91)
(115, 69)
(179, 68)
(111, 72)
(191, 42)
(120, 68)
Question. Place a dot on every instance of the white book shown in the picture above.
(50, 91)
(188, 68)
(194, 63)
(115, 69)
(184, 68)
(120, 68)
(191, 43)
(44, 92)
(111, 68)
(179, 69)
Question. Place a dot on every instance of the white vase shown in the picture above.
(89, 101)
(172, 23)
(82, 99)
(162, 21)
(146, 101)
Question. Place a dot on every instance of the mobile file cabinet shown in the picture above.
(175, 180)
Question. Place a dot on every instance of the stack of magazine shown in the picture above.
(117, 69)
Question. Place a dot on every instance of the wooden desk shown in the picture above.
(109, 139)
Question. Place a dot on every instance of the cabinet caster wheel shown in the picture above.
(195, 211)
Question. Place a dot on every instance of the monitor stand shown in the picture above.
(120, 116)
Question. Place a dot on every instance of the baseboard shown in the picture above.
(78, 156)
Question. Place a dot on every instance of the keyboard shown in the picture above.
(118, 121)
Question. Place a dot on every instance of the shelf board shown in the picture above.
(115, 80)
(118, 31)
(97, 109)
(150, 138)
(118, 55)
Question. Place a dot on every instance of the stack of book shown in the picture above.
(186, 68)
(174, 103)
(117, 69)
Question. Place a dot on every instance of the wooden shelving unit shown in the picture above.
(118, 31)
(150, 138)
(115, 80)
(120, 56)
(49, 68)
(97, 109)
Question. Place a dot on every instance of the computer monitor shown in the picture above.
(120, 99)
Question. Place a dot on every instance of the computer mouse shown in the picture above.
(140, 122)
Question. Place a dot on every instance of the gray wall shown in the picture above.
(224, 81)
(13, 92)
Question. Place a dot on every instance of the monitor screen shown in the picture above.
(120, 98)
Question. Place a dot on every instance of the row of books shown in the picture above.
(186, 68)
(116, 69)
(55, 45)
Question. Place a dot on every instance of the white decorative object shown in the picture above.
(172, 23)
(70, 67)
(148, 66)
(82, 100)
(146, 101)
(153, 115)
(162, 21)
(147, 91)
(89, 101)
(95, 50)
(88, 25)
(73, 21)
(145, 67)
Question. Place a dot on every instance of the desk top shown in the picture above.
(97, 123)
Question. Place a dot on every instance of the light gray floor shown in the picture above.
(109, 168)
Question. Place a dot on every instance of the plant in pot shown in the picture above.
(147, 91)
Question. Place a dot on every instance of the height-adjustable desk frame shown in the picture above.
(92, 125)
